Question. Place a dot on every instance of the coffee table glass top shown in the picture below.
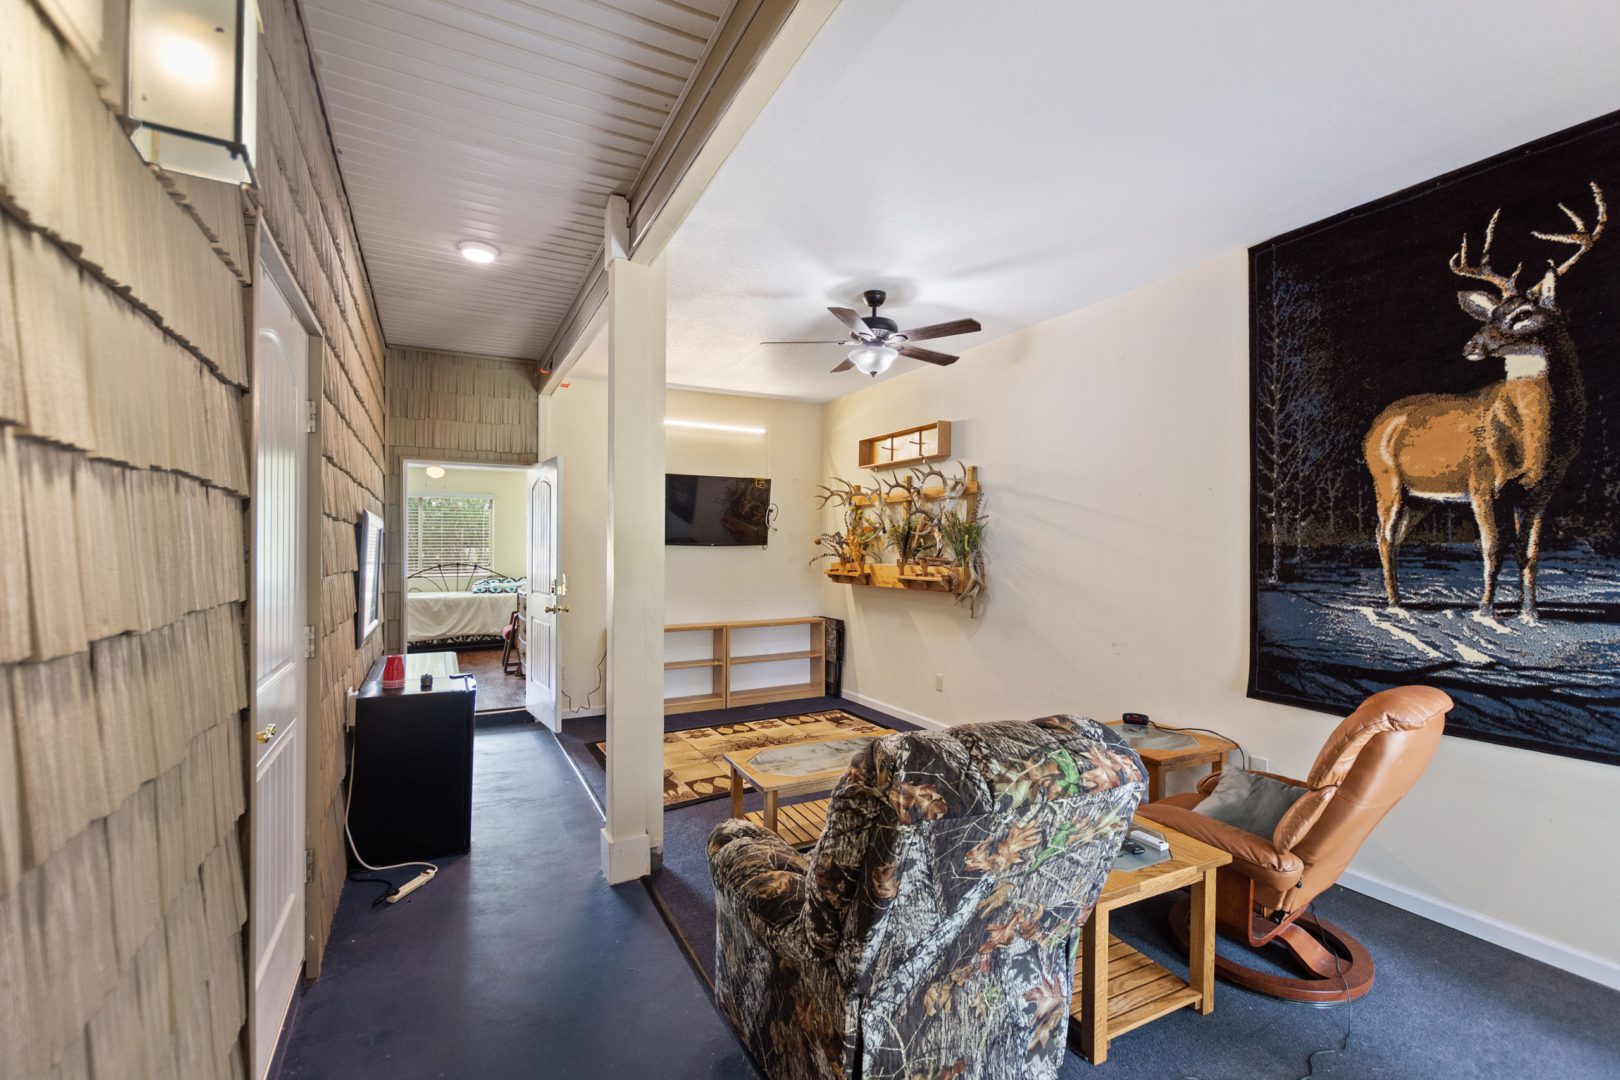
(806, 759)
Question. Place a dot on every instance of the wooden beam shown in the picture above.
(748, 58)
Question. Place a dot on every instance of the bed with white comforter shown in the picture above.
(440, 616)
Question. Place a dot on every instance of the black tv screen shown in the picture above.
(716, 511)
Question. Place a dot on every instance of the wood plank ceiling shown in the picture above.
(504, 121)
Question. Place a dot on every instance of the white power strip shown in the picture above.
(411, 886)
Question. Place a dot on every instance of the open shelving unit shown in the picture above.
(747, 663)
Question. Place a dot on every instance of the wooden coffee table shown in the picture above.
(1116, 988)
(1201, 749)
(800, 768)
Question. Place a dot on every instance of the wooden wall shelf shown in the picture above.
(908, 446)
(888, 576)
(725, 638)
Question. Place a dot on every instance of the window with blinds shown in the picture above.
(447, 529)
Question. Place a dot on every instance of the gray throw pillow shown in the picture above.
(1249, 801)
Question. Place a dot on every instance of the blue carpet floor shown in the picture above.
(1446, 1005)
(518, 961)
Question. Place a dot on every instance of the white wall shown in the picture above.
(1114, 450)
(509, 514)
(728, 583)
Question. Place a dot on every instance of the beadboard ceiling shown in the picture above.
(505, 121)
(1016, 161)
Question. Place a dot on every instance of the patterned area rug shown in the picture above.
(695, 768)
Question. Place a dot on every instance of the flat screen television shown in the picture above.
(716, 511)
(368, 536)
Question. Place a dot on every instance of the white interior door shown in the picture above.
(280, 671)
(547, 599)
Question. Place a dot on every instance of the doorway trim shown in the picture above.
(402, 574)
(267, 254)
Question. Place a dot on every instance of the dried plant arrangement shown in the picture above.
(932, 521)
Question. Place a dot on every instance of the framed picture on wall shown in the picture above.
(368, 576)
(1435, 409)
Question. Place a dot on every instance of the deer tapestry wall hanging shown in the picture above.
(1435, 408)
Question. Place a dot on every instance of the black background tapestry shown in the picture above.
(1435, 401)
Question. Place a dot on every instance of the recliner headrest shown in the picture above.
(1402, 708)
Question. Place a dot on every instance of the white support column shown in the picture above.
(633, 838)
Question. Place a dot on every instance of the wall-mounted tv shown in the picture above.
(716, 511)
(368, 536)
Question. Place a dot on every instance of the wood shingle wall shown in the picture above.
(123, 484)
(457, 408)
(308, 215)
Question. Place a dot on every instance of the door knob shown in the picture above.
(266, 734)
(556, 609)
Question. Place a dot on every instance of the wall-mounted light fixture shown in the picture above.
(193, 85)
(435, 472)
(701, 425)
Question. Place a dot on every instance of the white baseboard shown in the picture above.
(1575, 961)
(894, 711)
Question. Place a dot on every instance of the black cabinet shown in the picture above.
(411, 784)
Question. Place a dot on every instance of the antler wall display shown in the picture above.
(932, 523)
(1436, 431)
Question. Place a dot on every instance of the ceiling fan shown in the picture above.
(877, 340)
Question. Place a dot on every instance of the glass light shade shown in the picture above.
(476, 251)
(435, 472)
(873, 359)
(193, 71)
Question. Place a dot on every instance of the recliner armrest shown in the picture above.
(1255, 856)
(760, 878)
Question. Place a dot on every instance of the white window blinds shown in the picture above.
(447, 529)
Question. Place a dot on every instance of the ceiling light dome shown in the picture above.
(873, 359)
(476, 251)
(435, 472)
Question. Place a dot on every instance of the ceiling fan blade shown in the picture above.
(845, 366)
(852, 320)
(928, 355)
(944, 329)
(840, 341)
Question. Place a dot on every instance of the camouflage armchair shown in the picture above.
(932, 931)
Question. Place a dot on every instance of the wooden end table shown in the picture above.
(1116, 988)
(800, 768)
(1205, 749)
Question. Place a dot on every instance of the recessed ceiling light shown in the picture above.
(477, 251)
(435, 472)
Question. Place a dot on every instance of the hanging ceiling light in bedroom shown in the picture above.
(435, 472)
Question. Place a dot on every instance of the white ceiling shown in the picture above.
(1016, 161)
(506, 121)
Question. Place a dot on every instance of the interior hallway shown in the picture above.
(517, 961)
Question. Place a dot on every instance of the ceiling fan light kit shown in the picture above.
(875, 342)
(874, 360)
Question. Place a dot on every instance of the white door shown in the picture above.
(280, 672)
(547, 599)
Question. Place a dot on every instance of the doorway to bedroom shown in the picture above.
(467, 538)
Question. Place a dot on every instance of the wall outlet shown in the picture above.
(1259, 764)
(939, 682)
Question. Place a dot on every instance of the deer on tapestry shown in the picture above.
(1505, 447)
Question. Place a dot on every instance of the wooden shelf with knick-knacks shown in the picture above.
(908, 446)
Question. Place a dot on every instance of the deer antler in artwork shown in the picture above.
(1508, 284)
(1582, 238)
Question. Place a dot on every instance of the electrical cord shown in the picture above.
(601, 678)
(348, 801)
(1344, 982)
(1244, 754)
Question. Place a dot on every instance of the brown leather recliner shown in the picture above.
(1370, 761)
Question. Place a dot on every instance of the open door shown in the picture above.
(280, 655)
(548, 589)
